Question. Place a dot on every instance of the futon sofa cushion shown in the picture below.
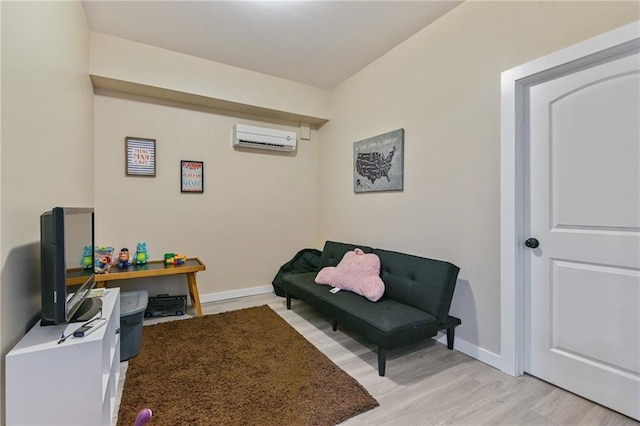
(387, 322)
(333, 252)
(422, 283)
(304, 284)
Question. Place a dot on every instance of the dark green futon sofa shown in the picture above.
(414, 306)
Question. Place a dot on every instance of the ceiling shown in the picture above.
(320, 43)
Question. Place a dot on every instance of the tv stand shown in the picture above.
(88, 309)
(69, 383)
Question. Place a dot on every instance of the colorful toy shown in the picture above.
(102, 265)
(174, 259)
(105, 250)
(141, 256)
(124, 259)
(87, 257)
(104, 259)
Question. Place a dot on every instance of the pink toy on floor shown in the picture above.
(143, 416)
(358, 272)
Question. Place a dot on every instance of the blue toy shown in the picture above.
(141, 256)
(87, 258)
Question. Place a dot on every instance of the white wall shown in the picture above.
(46, 145)
(257, 210)
(126, 61)
(443, 87)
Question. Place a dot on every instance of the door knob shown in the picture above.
(532, 243)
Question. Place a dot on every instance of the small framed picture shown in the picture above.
(140, 156)
(192, 176)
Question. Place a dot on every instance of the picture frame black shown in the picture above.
(191, 176)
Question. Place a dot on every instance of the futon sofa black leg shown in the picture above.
(451, 331)
(382, 361)
(334, 325)
(288, 300)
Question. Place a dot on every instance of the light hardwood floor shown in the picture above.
(427, 384)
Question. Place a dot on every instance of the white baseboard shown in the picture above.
(463, 346)
(232, 294)
(473, 351)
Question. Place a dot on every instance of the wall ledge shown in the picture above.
(128, 87)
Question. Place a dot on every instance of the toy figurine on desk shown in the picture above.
(104, 259)
(174, 259)
(102, 265)
(141, 256)
(87, 257)
(124, 258)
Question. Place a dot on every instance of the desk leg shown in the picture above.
(193, 292)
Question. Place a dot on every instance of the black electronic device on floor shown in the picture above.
(164, 305)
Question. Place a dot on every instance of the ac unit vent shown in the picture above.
(263, 138)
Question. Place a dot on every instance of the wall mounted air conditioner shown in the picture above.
(262, 138)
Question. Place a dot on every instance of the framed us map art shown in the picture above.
(378, 163)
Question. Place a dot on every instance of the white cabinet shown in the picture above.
(71, 383)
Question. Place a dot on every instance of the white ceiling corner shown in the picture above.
(319, 43)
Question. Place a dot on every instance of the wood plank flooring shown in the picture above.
(427, 384)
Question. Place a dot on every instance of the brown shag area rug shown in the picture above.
(245, 367)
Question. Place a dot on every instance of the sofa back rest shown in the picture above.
(422, 283)
(333, 252)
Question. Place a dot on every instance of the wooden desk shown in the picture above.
(153, 268)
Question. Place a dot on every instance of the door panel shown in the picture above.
(583, 324)
(585, 329)
(595, 152)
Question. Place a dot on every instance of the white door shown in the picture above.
(582, 315)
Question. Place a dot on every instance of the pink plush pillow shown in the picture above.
(357, 272)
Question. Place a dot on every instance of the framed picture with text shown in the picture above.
(140, 156)
(192, 176)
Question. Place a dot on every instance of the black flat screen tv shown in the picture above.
(67, 265)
